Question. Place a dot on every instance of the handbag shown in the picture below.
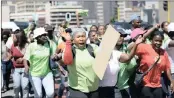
(140, 76)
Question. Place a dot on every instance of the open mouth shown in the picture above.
(81, 43)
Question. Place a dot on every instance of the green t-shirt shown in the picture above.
(81, 74)
(126, 70)
(38, 56)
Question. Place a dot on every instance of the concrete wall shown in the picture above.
(163, 14)
(172, 11)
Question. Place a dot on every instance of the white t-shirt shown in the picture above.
(9, 42)
(170, 51)
(88, 41)
(111, 73)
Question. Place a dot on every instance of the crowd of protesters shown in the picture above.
(56, 63)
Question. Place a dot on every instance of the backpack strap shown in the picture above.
(73, 51)
(89, 48)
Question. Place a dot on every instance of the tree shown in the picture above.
(112, 20)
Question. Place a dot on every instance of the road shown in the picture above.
(10, 93)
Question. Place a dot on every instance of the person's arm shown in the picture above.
(67, 54)
(168, 71)
(151, 30)
(130, 46)
(26, 66)
(124, 58)
(58, 50)
(127, 57)
(8, 54)
(26, 58)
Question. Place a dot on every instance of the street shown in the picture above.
(10, 93)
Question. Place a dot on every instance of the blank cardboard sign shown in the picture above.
(107, 45)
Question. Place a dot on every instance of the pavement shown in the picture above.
(10, 93)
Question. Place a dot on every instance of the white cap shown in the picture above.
(170, 27)
(38, 32)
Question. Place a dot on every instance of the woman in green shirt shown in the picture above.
(82, 80)
(40, 74)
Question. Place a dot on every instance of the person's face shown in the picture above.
(165, 27)
(93, 28)
(101, 30)
(157, 42)
(16, 37)
(136, 23)
(46, 25)
(80, 39)
(42, 38)
(32, 26)
(93, 37)
(5, 37)
(120, 41)
(31, 37)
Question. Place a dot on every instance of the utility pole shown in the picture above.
(168, 11)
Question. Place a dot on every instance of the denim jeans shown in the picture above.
(6, 71)
(20, 79)
(63, 85)
(46, 81)
(2, 79)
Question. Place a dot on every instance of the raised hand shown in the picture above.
(67, 36)
(139, 40)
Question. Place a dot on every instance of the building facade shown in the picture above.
(56, 11)
(100, 12)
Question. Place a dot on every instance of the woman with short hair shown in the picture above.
(148, 54)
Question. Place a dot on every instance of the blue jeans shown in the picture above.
(46, 81)
(2, 83)
(20, 79)
(6, 71)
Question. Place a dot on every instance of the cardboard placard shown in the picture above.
(107, 45)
